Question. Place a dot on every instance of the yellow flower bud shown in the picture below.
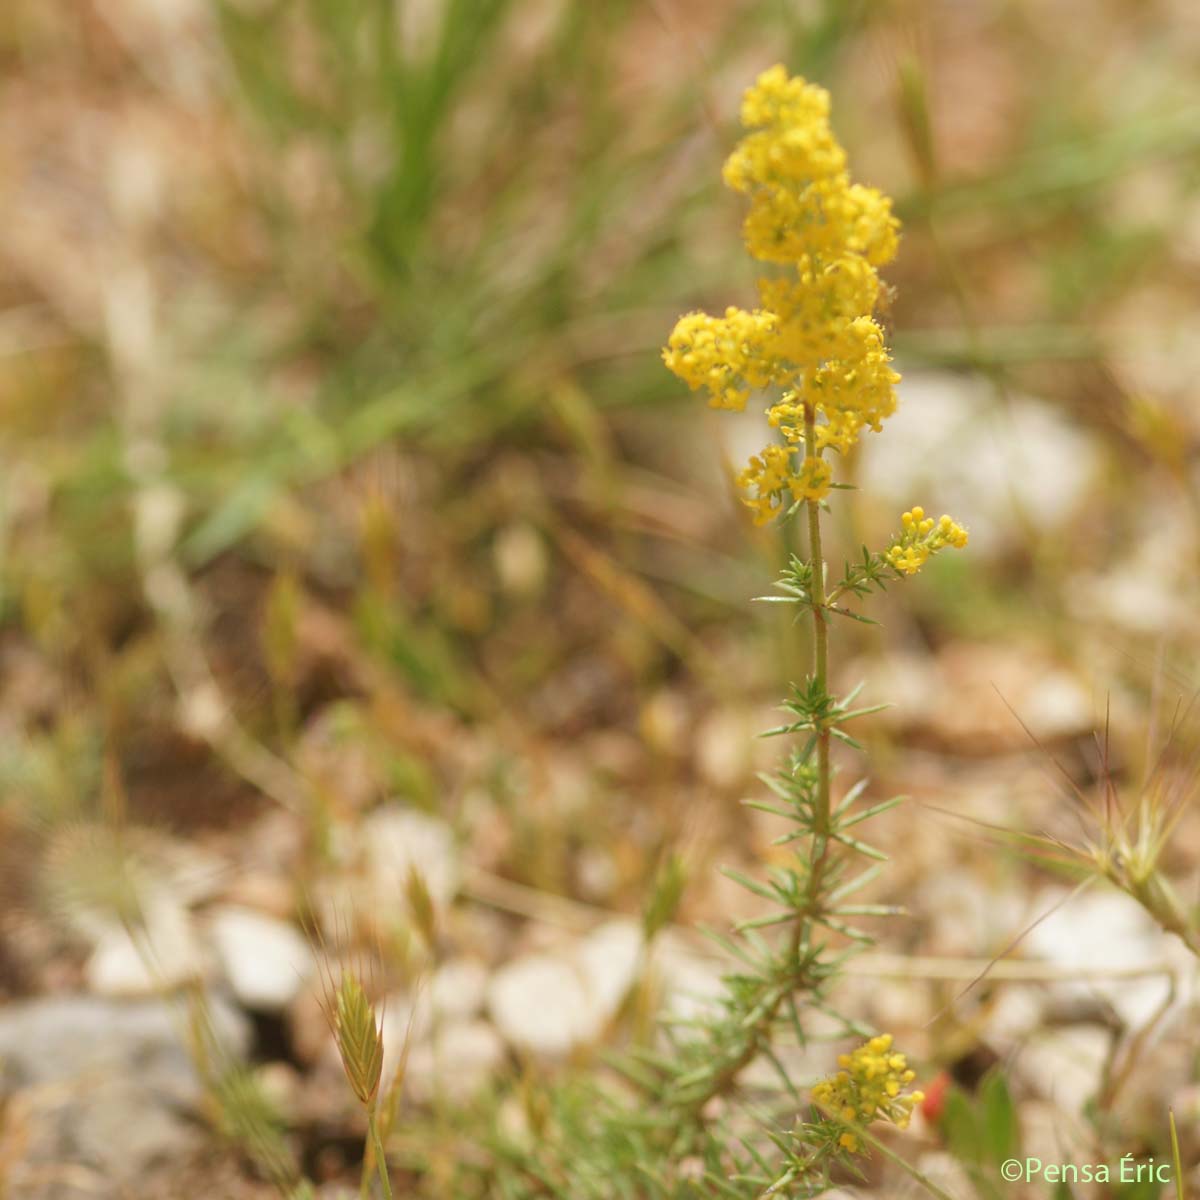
(920, 537)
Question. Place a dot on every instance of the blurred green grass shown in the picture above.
(446, 243)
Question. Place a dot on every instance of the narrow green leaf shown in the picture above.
(845, 612)
(1180, 1192)
(851, 795)
(854, 884)
(843, 736)
(862, 712)
(759, 889)
(999, 1118)
(961, 1127)
(874, 811)
(764, 922)
(862, 847)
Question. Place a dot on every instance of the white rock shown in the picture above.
(406, 1022)
(126, 1125)
(908, 683)
(609, 958)
(693, 982)
(458, 1061)
(965, 918)
(457, 988)
(161, 954)
(902, 1004)
(723, 748)
(1108, 930)
(1131, 597)
(266, 960)
(394, 840)
(1060, 706)
(1016, 1014)
(952, 447)
(1066, 1065)
(541, 1004)
(106, 1088)
(946, 1172)
(1149, 591)
(58, 1040)
(549, 1003)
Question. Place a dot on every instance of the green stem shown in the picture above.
(758, 1029)
(377, 1147)
(1155, 894)
(913, 1172)
(1175, 1158)
(821, 817)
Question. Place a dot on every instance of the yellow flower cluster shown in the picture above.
(729, 355)
(869, 1087)
(921, 537)
(773, 474)
(814, 336)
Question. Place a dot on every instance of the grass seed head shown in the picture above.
(359, 1041)
(420, 905)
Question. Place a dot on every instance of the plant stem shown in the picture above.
(822, 820)
(377, 1147)
(820, 668)
(1179, 1187)
(914, 1172)
(1155, 894)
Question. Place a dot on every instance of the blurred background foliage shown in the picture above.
(338, 463)
(330, 338)
(358, 305)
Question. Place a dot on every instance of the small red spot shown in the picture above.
(935, 1097)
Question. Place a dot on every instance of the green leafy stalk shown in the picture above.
(821, 827)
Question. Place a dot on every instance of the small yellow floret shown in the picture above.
(774, 480)
(868, 1088)
(812, 481)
